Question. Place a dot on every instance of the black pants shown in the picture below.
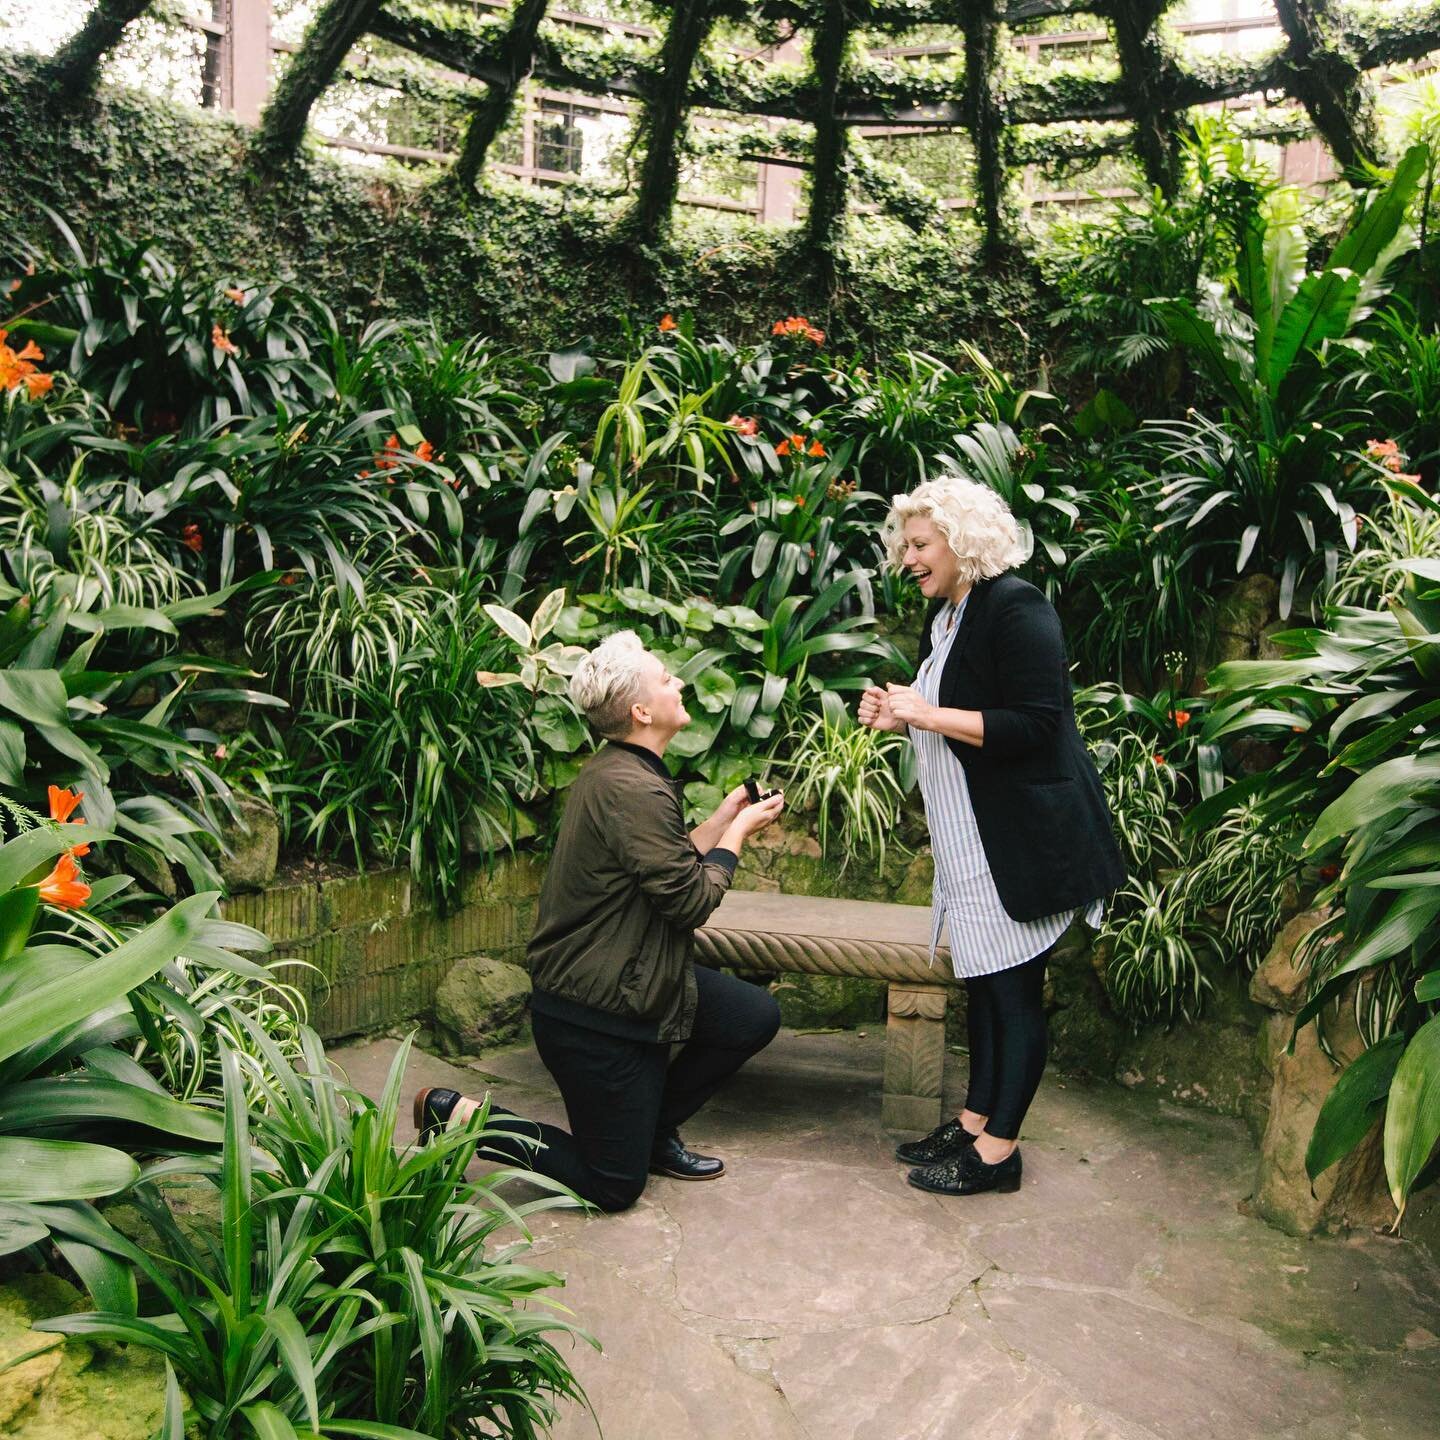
(622, 1096)
(1006, 1024)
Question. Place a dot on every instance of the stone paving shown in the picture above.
(1122, 1294)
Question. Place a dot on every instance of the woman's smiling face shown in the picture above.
(929, 558)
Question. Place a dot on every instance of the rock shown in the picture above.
(1085, 1033)
(918, 882)
(820, 1001)
(1352, 1192)
(1278, 982)
(252, 847)
(480, 1002)
(1244, 613)
(72, 1388)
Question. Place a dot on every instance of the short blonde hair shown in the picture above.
(975, 521)
(608, 681)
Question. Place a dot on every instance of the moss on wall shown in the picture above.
(529, 268)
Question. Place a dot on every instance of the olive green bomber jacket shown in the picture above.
(621, 900)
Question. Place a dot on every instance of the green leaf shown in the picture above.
(1374, 796)
(17, 916)
(269, 1423)
(1189, 328)
(511, 624)
(45, 1170)
(12, 754)
(294, 1346)
(1369, 236)
(1319, 310)
(34, 695)
(1412, 1119)
(110, 1280)
(53, 1004)
(1350, 1108)
(172, 1425)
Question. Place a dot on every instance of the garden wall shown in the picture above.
(529, 269)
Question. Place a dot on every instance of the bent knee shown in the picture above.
(613, 1196)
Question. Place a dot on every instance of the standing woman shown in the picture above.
(1018, 823)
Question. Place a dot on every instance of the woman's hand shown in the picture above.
(875, 710)
(907, 706)
(730, 806)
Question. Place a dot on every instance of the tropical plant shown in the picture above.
(1266, 480)
(421, 764)
(856, 779)
(353, 1290)
(1355, 703)
(76, 1106)
(1153, 971)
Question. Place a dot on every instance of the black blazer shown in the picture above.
(1038, 804)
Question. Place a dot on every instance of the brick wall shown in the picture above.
(375, 951)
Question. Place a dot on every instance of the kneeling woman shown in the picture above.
(614, 982)
(1018, 823)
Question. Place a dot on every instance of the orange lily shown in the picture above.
(63, 804)
(221, 341)
(1182, 719)
(667, 323)
(63, 887)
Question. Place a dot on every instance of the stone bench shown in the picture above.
(766, 932)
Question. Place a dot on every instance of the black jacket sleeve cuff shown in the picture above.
(721, 856)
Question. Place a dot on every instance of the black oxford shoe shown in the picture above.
(670, 1157)
(944, 1142)
(967, 1174)
(433, 1108)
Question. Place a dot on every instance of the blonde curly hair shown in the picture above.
(975, 521)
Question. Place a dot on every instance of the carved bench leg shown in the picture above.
(914, 1057)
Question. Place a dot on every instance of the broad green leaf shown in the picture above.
(61, 1169)
(17, 915)
(34, 695)
(1412, 1118)
(1350, 1109)
(59, 1100)
(1374, 796)
(1320, 310)
(59, 1002)
(12, 754)
(172, 1426)
(1370, 235)
(110, 1281)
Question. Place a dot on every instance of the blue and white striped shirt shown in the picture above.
(983, 938)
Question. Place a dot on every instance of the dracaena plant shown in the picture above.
(1356, 703)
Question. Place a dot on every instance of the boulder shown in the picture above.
(70, 1388)
(1352, 1192)
(480, 1002)
(1242, 617)
(251, 847)
(1278, 982)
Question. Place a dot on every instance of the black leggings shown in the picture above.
(1006, 1023)
(623, 1096)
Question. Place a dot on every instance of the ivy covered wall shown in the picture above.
(531, 269)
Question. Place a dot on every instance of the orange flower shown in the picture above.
(14, 286)
(191, 538)
(424, 451)
(63, 803)
(1329, 872)
(816, 449)
(744, 424)
(235, 293)
(667, 323)
(288, 579)
(62, 887)
(800, 501)
(221, 341)
(1159, 759)
(797, 325)
(783, 448)
(815, 336)
(1182, 719)
(17, 367)
(386, 459)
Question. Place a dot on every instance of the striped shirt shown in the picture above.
(983, 938)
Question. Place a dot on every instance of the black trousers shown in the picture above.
(622, 1096)
(1006, 1028)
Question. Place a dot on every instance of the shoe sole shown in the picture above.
(1005, 1187)
(676, 1175)
(425, 1129)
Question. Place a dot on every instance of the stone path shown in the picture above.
(1120, 1295)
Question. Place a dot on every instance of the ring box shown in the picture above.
(756, 794)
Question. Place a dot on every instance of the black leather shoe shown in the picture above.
(670, 1157)
(433, 1108)
(944, 1142)
(967, 1174)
